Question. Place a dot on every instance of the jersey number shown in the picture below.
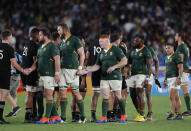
(97, 50)
(25, 51)
(1, 54)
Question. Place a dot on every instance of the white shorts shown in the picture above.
(150, 80)
(128, 80)
(172, 83)
(136, 81)
(31, 88)
(68, 76)
(114, 85)
(47, 82)
(184, 79)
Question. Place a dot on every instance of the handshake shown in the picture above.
(26, 71)
(83, 71)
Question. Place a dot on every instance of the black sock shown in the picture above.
(73, 115)
(28, 113)
(93, 113)
(109, 114)
(2, 105)
(77, 116)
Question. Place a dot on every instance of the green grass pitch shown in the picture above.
(159, 123)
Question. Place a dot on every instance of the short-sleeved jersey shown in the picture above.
(171, 63)
(151, 51)
(45, 55)
(6, 53)
(29, 52)
(68, 52)
(183, 49)
(109, 59)
(137, 58)
(94, 50)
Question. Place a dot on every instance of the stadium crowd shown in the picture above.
(157, 20)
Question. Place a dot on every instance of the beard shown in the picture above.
(62, 36)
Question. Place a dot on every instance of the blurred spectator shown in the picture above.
(157, 20)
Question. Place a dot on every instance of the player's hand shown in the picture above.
(110, 69)
(145, 83)
(156, 75)
(81, 72)
(26, 71)
(57, 78)
(164, 83)
(178, 81)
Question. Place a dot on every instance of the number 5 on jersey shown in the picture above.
(1, 54)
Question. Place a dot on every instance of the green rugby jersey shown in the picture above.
(45, 55)
(109, 59)
(151, 51)
(183, 49)
(171, 63)
(137, 59)
(68, 52)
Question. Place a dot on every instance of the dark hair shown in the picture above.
(105, 32)
(33, 32)
(55, 36)
(115, 36)
(182, 35)
(5, 34)
(170, 44)
(64, 26)
(46, 32)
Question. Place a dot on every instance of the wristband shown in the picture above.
(56, 73)
(79, 67)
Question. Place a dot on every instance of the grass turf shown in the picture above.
(159, 123)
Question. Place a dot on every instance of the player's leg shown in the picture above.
(149, 98)
(94, 101)
(63, 101)
(184, 87)
(178, 105)
(105, 89)
(110, 108)
(28, 105)
(3, 95)
(116, 86)
(172, 104)
(95, 95)
(12, 96)
(63, 85)
(73, 108)
(39, 97)
(149, 101)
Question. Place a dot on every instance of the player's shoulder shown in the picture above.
(73, 37)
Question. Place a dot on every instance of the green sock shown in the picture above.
(49, 106)
(122, 107)
(138, 111)
(142, 113)
(81, 107)
(187, 101)
(105, 105)
(63, 105)
(54, 110)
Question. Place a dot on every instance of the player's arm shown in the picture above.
(57, 68)
(121, 64)
(16, 65)
(80, 52)
(165, 79)
(93, 68)
(87, 58)
(149, 64)
(155, 59)
(180, 71)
